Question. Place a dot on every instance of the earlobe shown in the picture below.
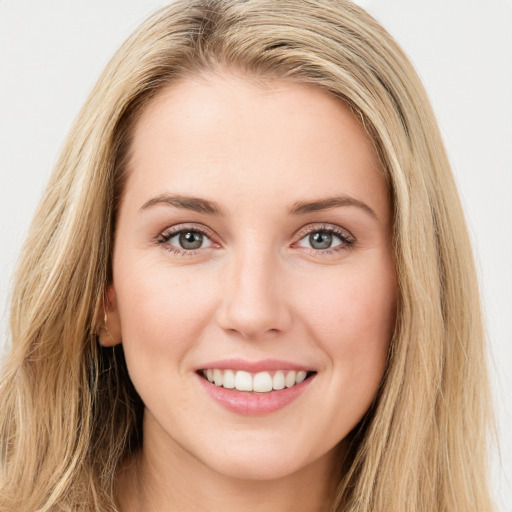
(109, 326)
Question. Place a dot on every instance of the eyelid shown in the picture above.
(347, 239)
(166, 234)
(322, 226)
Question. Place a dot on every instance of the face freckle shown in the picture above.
(225, 162)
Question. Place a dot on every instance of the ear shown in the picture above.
(109, 325)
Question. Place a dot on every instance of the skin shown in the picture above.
(255, 289)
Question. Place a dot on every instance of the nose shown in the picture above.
(254, 303)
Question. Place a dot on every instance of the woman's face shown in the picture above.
(253, 241)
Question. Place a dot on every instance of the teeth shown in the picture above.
(229, 379)
(289, 380)
(243, 381)
(278, 380)
(300, 377)
(261, 382)
(218, 378)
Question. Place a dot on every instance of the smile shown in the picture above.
(261, 382)
(254, 389)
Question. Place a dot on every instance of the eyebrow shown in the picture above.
(303, 207)
(200, 205)
(195, 204)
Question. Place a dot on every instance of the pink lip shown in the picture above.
(252, 403)
(264, 365)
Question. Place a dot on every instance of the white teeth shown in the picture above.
(289, 381)
(300, 377)
(243, 381)
(278, 380)
(217, 377)
(261, 382)
(229, 379)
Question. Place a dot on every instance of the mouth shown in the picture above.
(260, 382)
(255, 388)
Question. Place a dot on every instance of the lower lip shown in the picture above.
(253, 403)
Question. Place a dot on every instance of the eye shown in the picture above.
(326, 239)
(184, 240)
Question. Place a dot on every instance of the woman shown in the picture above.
(248, 283)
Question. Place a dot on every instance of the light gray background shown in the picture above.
(52, 51)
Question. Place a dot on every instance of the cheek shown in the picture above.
(352, 316)
(162, 310)
(356, 301)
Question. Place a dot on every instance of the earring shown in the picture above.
(104, 327)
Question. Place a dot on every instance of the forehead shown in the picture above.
(230, 137)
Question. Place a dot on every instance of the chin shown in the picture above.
(262, 468)
(263, 459)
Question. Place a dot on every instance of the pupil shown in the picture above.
(191, 240)
(320, 240)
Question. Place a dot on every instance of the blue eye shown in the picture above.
(185, 240)
(188, 240)
(325, 239)
(322, 240)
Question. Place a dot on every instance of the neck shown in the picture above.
(168, 479)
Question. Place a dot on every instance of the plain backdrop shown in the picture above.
(52, 52)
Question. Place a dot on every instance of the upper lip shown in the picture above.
(254, 366)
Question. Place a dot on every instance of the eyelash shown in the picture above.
(164, 237)
(347, 241)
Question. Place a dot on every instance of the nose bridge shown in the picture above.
(253, 302)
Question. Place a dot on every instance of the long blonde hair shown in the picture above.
(69, 415)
